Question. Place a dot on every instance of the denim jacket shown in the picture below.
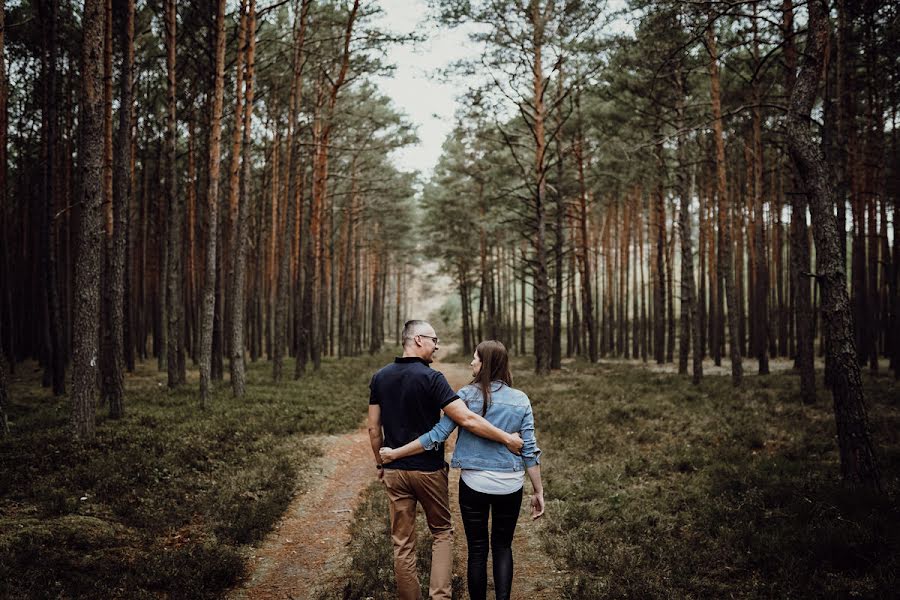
(510, 410)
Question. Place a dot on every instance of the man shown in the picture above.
(406, 400)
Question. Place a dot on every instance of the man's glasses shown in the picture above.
(430, 337)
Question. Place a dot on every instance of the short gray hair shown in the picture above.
(413, 328)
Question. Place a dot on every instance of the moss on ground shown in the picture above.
(168, 500)
(660, 489)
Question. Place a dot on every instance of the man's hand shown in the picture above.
(379, 471)
(514, 443)
(387, 454)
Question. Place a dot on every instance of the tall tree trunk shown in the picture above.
(190, 266)
(291, 213)
(858, 465)
(643, 288)
(107, 362)
(542, 321)
(761, 291)
(175, 310)
(559, 232)
(55, 364)
(212, 213)
(800, 251)
(87, 269)
(5, 273)
(238, 376)
(115, 389)
(4, 260)
(234, 176)
(129, 299)
(725, 264)
(659, 287)
(584, 259)
(304, 316)
(689, 321)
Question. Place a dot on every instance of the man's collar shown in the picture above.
(411, 359)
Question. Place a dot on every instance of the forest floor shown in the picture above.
(655, 488)
(172, 500)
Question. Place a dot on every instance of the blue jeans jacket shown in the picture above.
(510, 410)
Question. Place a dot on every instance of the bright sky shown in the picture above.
(428, 103)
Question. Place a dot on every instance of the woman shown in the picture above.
(492, 478)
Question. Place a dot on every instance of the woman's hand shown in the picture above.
(537, 505)
(387, 454)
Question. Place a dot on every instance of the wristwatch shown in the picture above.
(379, 467)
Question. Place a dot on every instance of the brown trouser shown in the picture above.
(404, 489)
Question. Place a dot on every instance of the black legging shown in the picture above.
(475, 507)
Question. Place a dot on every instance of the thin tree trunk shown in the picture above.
(5, 271)
(542, 321)
(858, 464)
(234, 176)
(115, 390)
(107, 366)
(175, 309)
(800, 251)
(5, 274)
(53, 328)
(87, 268)
(659, 288)
(761, 290)
(212, 202)
(689, 321)
(583, 252)
(238, 377)
(725, 260)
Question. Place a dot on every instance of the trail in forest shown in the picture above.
(307, 551)
(535, 576)
(308, 548)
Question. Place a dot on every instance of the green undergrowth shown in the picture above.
(661, 489)
(167, 501)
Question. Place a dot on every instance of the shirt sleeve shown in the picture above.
(441, 390)
(531, 454)
(373, 396)
(438, 434)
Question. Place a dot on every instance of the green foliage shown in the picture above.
(167, 500)
(658, 488)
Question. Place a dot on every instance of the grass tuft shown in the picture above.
(167, 501)
(662, 489)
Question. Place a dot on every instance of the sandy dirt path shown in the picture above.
(535, 577)
(308, 548)
(307, 551)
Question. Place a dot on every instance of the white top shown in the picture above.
(493, 482)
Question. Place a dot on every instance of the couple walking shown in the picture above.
(495, 449)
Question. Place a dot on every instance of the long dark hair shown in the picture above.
(494, 367)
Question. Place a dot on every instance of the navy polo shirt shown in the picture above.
(411, 395)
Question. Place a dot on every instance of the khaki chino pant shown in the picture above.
(405, 489)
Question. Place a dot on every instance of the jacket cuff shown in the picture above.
(427, 442)
(531, 461)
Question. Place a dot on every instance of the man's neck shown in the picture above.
(412, 354)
